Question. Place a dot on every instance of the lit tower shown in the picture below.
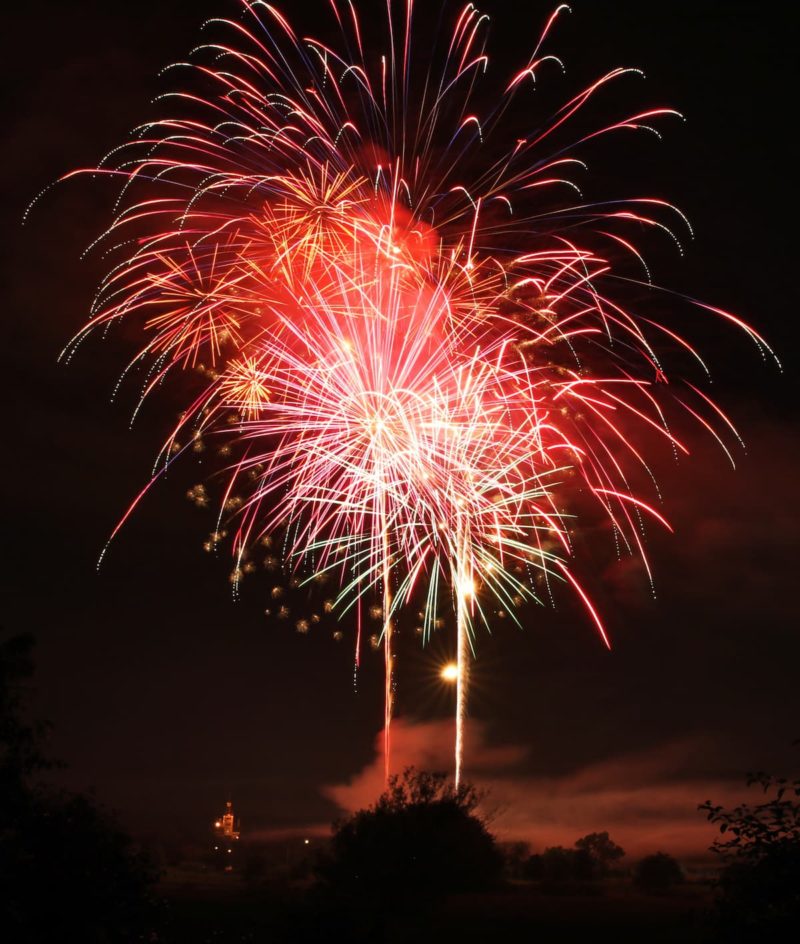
(226, 837)
(226, 827)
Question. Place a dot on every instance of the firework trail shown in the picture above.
(418, 346)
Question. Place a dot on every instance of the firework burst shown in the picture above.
(418, 350)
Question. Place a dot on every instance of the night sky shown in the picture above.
(167, 696)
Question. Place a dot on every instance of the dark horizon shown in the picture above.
(167, 696)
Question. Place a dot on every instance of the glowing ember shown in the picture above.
(449, 672)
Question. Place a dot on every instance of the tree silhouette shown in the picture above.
(558, 866)
(603, 851)
(515, 858)
(590, 859)
(657, 873)
(21, 754)
(759, 888)
(67, 871)
(422, 840)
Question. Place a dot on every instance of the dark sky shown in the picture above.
(166, 694)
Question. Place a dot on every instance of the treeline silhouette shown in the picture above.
(593, 858)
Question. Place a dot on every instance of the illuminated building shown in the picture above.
(226, 837)
(226, 826)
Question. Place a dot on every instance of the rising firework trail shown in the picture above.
(411, 328)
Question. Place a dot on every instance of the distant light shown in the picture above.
(306, 842)
(450, 672)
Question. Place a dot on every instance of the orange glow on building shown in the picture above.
(226, 827)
